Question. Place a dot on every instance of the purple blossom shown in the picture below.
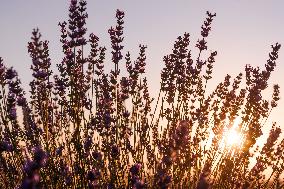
(115, 151)
(41, 74)
(30, 168)
(93, 175)
(88, 143)
(134, 170)
(13, 113)
(97, 156)
(74, 2)
(10, 74)
(126, 114)
(40, 156)
(59, 150)
(5, 147)
(21, 101)
(165, 182)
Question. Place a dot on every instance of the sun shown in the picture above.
(233, 137)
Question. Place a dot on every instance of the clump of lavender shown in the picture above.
(88, 128)
(32, 169)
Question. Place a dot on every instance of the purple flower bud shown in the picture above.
(5, 147)
(134, 170)
(21, 101)
(68, 181)
(58, 151)
(73, 2)
(13, 113)
(10, 74)
(88, 143)
(107, 119)
(126, 114)
(119, 13)
(30, 167)
(41, 74)
(81, 41)
(93, 175)
(110, 186)
(36, 62)
(97, 156)
(26, 184)
(165, 182)
(70, 55)
(40, 156)
(114, 151)
(49, 85)
(167, 160)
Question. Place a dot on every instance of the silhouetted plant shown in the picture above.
(86, 128)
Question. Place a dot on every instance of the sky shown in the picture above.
(241, 33)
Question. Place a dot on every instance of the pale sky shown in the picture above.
(242, 32)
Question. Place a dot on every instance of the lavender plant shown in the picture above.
(86, 128)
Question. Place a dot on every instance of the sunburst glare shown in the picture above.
(232, 137)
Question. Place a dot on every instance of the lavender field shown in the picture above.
(86, 126)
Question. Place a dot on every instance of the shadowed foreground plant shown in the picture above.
(86, 128)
